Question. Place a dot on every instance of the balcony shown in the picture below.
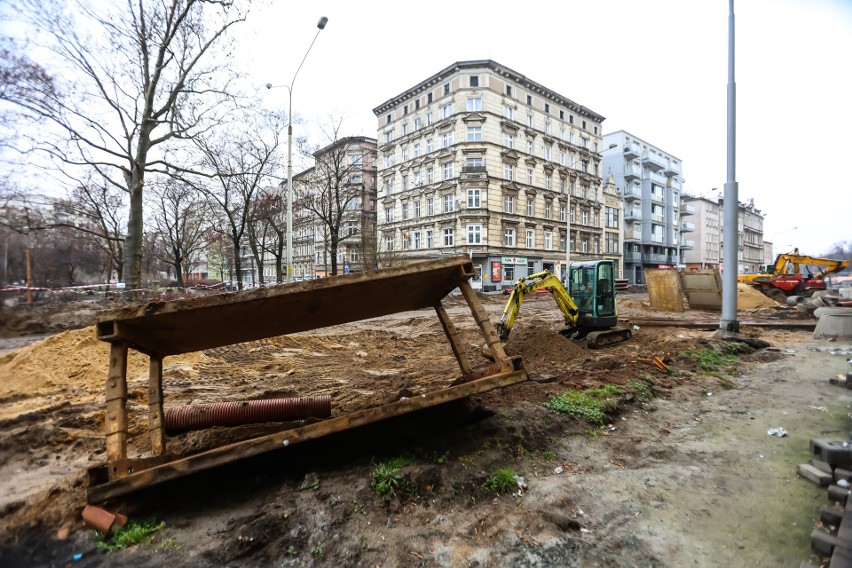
(687, 244)
(632, 257)
(632, 235)
(653, 162)
(630, 153)
(631, 193)
(473, 169)
(657, 217)
(687, 227)
(672, 169)
(658, 198)
(687, 209)
(657, 258)
(631, 172)
(632, 215)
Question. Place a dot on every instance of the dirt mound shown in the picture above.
(749, 298)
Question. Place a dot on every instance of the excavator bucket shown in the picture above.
(162, 329)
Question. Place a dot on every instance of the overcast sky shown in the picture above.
(656, 68)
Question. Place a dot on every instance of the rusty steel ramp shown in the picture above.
(161, 329)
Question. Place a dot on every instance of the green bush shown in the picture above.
(504, 480)
(128, 535)
(590, 404)
(386, 477)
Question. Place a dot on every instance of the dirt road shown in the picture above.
(689, 477)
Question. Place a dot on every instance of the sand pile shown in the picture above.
(749, 298)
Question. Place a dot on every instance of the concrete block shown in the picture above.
(830, 515)
(842, 473)
(837, 494)
(814, 475)
(822, 466)
(831, 451)
(842, 558)
(824, 544)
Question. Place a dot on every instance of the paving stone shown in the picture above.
(830, 515)
(824, 544)
(842, 473)
(814, 475)
(822, 466)
(837, 494)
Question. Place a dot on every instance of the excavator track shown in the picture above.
(598, 339)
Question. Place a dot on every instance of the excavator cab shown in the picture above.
(592, 286)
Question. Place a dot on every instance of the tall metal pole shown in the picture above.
(729, 321)
(321, 25)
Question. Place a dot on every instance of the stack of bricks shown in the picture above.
(833, 539)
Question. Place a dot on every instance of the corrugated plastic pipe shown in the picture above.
(188, 417)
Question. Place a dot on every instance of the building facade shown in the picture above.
(480, 160)
(750, 254)
(709, 236)
(336, 195)
(650, 182)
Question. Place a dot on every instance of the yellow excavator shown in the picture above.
(784, 278)
(588, 305)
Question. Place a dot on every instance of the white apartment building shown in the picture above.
(480, 160)
(707, 248)
(650, 182)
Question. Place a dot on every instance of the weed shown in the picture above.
(709, 360)
(640, 390)
(359, 508)
(291, 551)
(128, 535)
(486, 445)
(318, 549)
(466, 460)
(440, 459)
(548, 455)
(503, 480)
(521, 451)
(170, 544)
(386, 477)
(590, 404)
(592, 432)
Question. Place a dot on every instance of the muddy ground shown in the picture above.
(689, 477)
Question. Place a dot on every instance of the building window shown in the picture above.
(548, 240)
(447, 111)
(509, 171)
(389, 136)
(584, 244)
(509, 237)
(530, 207)
(562, 213)
(529, 100)
(417, 149)
(474, 134)
(548, 182)
(404, 211)
(529, 176)
(548, 128)
(447, 139)
(429, 241)
(509, 112)
(474, 234)
(428, 98)
(508, 140)
(584, 215)
(389, 215)
(447, 168)
(474, 162)
(418, 124)
(529, 147)
(561, 157)
(548, 153)
(429, 147)
(417, 180)
(404, 241)
(446, 89)
(611, 243)
(611, 214)
(428, 117)
(388, 242)
(417, 104)
(388, 119)
(417, 209)
(548, 209)
(508, 273)
(509, 90)
(430, 206)
(584, 125)
(415, 237)
(530, 238)
(404, 128)
(474, 198)
(430, 175)
(530, 120)
(449, 203)
(508, 204)
(448, 237)
(474, 80)
(474, 104)
(547, 108)
(404, 153)
(404, 183)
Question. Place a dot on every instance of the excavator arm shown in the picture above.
(795, 259)
(538, 281)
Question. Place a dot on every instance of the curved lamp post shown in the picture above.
(321, 25)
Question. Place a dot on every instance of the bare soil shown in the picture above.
(690, 477)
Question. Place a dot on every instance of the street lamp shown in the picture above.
(568, 225)
(321, 25)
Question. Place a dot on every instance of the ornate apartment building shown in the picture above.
(480, 160)
(338, 193)
(709, 235)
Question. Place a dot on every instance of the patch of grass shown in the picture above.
(590, 404)
(548, 455)
(521, 451)
(386, 477)
(709, 360)
(440, 458)
(359, 508)
(318, 549)
(133, 532)
(466, 460)
(502, 481)
(170, 543)
(291, 551)
(640, 390)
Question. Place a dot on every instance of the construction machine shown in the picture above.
(588, 305)
(786, 278)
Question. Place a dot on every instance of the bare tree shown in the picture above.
(267, 231)
(178, 215)
(240, 161)
(340, 189)
(135, 76)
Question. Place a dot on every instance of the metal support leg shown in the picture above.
(155, 406)
(488, 330)
(115, 422)
(453, 336)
